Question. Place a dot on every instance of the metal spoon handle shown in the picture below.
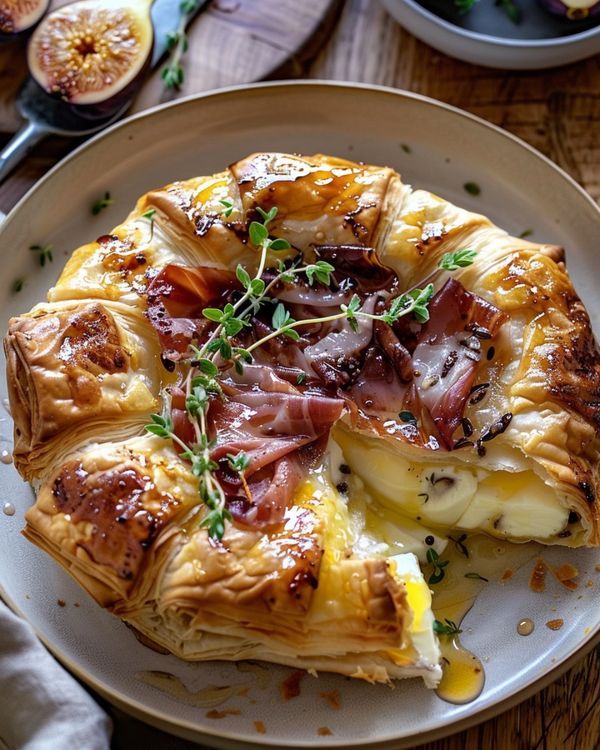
(19, 146)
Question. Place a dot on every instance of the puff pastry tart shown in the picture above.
(334, 371)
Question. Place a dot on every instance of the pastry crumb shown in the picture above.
(61, 602)
(332, 697)
(555, 624)
(324, 731)
(537, 581)
(260, 727)
(566, 575)
(214, 714)
(507, 575)
(290, 687)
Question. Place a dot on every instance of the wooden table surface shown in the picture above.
(558, 112)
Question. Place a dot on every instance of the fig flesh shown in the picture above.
(92, 53)
(19, 17)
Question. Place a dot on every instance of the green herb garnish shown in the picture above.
(438, 566)
(460, 545)
(177, 43)
(525, 233)
(101, 204)
(228, 204)
(448, 627)
(476, 577)
(239, 462)
(149, 214)
(472, 188)
(459, 259)
(406, 148)
(44, 253)
(407, 416)
(17, 285)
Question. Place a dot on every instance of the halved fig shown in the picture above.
(19, 17)
(91, 53)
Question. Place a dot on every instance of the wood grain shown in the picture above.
(230, 42)
(557, 111)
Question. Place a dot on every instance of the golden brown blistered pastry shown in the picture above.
(78, 370)
(122, 518)
(484, 418)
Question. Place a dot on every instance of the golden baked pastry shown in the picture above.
(336, 370)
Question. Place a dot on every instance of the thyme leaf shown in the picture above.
(438, 565)
(101, 204)
(476, 577)
(44, 253)
(177, 43)
(448, 627)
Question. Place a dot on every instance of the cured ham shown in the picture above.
(448, 352)
(268, 420)
(176, 298)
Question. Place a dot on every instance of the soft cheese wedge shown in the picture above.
(337, 371)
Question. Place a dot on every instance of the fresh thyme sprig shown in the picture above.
(438, 566)
(101, 204)
(177, 43)
(221, 349)
(228, 205)
(448, 627)
(44, 253)
(209, 489)
(149, 214)
(17, 285)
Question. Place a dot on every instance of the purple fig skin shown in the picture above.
(101, 102)
(107, 106)
(564, 8)
(10, 25)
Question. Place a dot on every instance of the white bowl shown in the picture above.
(492, 51)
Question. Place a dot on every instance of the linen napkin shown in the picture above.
(41, 706)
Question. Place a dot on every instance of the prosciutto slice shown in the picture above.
(361, 264)
(276, 426)
(448, 352)
(176, 298)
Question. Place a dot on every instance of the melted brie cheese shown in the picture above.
(515, 505)
(353, 529)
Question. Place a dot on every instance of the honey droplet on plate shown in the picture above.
(9, 509)
(463, 675)
(525, 627)
(6, 457)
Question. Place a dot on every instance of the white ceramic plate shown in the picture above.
(485, 36)
(433, 146)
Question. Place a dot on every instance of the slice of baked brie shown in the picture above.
(337, 371)
(123, 519)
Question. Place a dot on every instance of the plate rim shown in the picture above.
(293, 84)
(501, 41)
(183, 727)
